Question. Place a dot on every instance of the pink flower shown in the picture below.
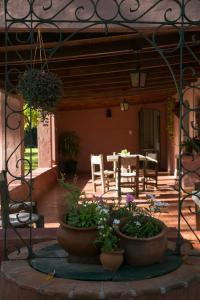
(129, 198)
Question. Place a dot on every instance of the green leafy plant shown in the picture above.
(141, 222)
(142, 226)
(41, 90)
(69, 145)
(125, 152)
(118, 211)
(69, 148)
(31, 117)
(81, 212)
(191, 145)
(106, 238)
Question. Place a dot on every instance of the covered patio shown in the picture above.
(130, 82)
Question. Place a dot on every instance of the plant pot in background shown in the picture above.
(112, 260)
(69, 148)
(70, 167)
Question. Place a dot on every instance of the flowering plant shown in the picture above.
(142, 223)
(106, 237)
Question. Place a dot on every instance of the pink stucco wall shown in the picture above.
(14, 132)
(100, 134)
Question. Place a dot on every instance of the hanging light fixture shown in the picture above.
(124, 105)
(138, 77)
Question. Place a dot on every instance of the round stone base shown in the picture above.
(20, 281)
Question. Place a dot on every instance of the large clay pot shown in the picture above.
(143, 251)
(112, 260)
(77, 241)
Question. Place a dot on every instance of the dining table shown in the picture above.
(114, 159)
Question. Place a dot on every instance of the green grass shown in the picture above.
(34, 152)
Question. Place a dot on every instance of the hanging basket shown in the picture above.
(40, 89)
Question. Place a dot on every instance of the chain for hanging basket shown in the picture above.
(41, 89)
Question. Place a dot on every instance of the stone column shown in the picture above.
(2, 131)
(11, 135)
(46, 143)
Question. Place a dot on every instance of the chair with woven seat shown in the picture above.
(16, 214)
(151, 170)
(129, 175)
(99, 175)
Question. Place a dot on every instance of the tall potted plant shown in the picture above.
(69, 148)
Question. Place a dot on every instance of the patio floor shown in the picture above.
(182, 283)
(51, 205)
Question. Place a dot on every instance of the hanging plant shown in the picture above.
(40, 89)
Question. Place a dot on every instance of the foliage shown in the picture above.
(119, 211)
(191, 145)
(33, 152)
(41, 90)
(85, 213)
(69, 145)
(31, 117)
(125, 152)
(141, 223)
(81, 212)
(106, 237)
(142, 226)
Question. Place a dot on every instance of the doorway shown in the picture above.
(149, 131)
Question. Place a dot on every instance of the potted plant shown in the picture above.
(41, 90)
(143, 237)
(111, 255)
(191, 146)
(78, 226)
(69, 148)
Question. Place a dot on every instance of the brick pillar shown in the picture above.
(46, 143)
(2, 131)
(12, 135)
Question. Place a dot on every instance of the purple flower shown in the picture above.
(129, 198)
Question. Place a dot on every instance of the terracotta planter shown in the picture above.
(77, 241)
(143, 251)
(111, 261)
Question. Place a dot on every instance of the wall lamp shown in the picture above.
(124, 105)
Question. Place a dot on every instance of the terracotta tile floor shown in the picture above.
(52, 203)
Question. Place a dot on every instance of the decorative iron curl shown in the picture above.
(6, 5)
(18, 123)
(94, 14)
(156, 41)
(170, 10)
(185, 10)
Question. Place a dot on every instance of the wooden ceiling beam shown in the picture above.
(94, 103)
(165, 39)
(80, 58)
(117, 92)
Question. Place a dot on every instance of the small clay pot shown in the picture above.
(112, 260)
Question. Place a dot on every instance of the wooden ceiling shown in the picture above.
(95, 69)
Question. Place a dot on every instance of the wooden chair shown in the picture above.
(151, 170)
(129, 175)
(98, 173)
(15, 214)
